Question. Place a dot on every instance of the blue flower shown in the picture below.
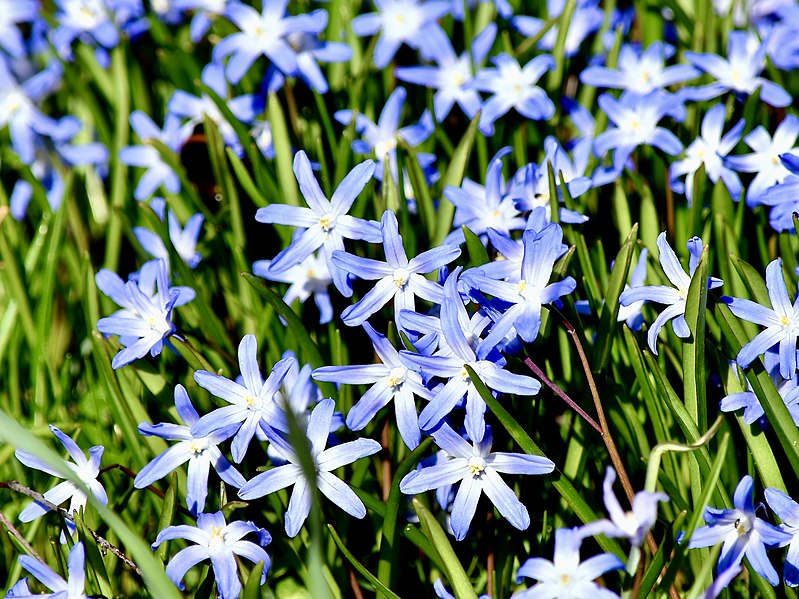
(784, 197)
(72, 588)
(251, 403)
(452, 367)
(709, 150)
(218, 541)
(399, 22)
(673, 297)
(148, 157)
(196, 109)
(480, 208)
(636, 120)
(311, 276)
(514, 87)
(746, 58)
(201, 452)
(310, 50)
(184, 240)
(382, 138)
(742, 533)
(565, 576)
(640, 71)
(585, 20)
(325, 460)
(765, 160)
(397, 278)
(478, 471)
(206, 12)
(631, 313)
(86, 470)
(391, 380)
(145, 320)
(530, 292)
(265, 34)
(781, 322)
(451, 77)
(788, 512)
(13, 13)
(632, 525)
(326, 222)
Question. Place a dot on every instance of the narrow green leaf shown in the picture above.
(454, 177)
(252, 589)
(389, 552)
(456, 575)
(698, 201)
(167, 513)
(284, 158)
(381, 588)
(610, 309)
(245, 180)
(421, 190)
(693, 348)
(95, 570)
(477, 251)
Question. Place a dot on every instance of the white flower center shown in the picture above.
(477, 466)
(327, 222)
(198, 446)
(397, 376)
(385, 147)
(743, 525)
(401, 276)
(217, 538)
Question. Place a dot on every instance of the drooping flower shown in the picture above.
(565, 576)
(201, 452)
(673, 297)
(478, 471)
(742, 533)
(218, 541)
(184, 239)
(325, 461)
(86, 470)
(788, 512)
(632, 525)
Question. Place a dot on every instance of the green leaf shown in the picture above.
(389, 552)
(381, 588)
(284, 158)
(610, 309)
(454, 177)
(456, 575)
(477, 251)
(693, 348)
(167, 514)
(421, 190)
(252, 589)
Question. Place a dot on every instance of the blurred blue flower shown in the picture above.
(325, 461)
(218, 541)
(184, 239)
(453, 73)
(781, 322)
(765, 160)
(382, 138)
(585, 20)
(640, 71)
(709, 150)
(311, 276)
(158, 172)
(471, 351)
(391, 381)
(739, 72)
(325, 222)
(565, 576)
(632, 525)
(251, 402)
(205, 13)
(399, 22)
(397, 278)
(12, 13)
(196, 109)
(265, 34)
(788, 512)
(530, 292)
(783, 197)
(201, 452)
(636, 121)
(673, 297)
(145, 320)
(72, 588)
(742, 533)
(478, 471)
(86, 470)
(514, 87)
